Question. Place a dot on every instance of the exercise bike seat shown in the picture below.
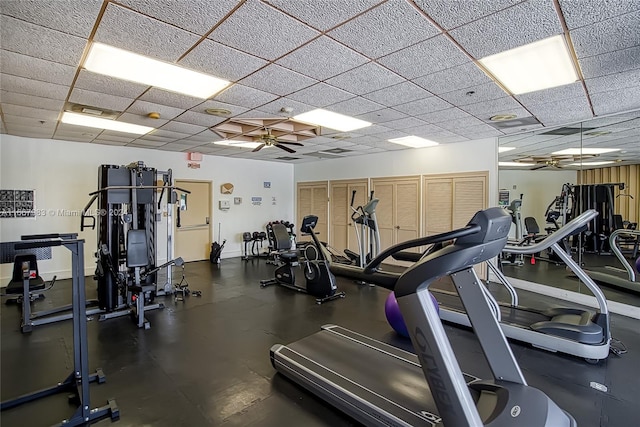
(288, 256)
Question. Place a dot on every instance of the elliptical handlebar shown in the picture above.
(372, 267)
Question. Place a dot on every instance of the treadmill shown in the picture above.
(626, 279)
(567, 330)
(380, 385)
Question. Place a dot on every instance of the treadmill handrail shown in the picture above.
(372, 267)
(615, 248)
(567, 230)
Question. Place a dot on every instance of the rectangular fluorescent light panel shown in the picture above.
(100, 123)
(591, 163)
(331, 120)
(413, 142)
(540, 65)
(122, 64)
(505, 149)
(505, 164)
(238, 144)
(581, 151)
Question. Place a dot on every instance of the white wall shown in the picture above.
(471, 156)
(539, 188)
(64, 173)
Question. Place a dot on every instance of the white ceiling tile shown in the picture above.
(322, 58)
(364, 79)
(114, 136)
(251, 29)
(482, 92)
(198, 16)
(486, 109)
(235, 110)
(33, 87)
(27, 39)
(109, 85)
(450, 14)
(163, 133)
(607, 36)
(610, 63)
(183, 128)
(369, 32)
(221, 61)
(381, 116)
(16, 117)
(206, 136)
(355, 106)
(245, 96)
(465, 122)
(61, 15)
(171, 99)
(276, 79)
(320, 95)
(29, 132)
(425, 131)
(132, 31)
(30, 112)
(617, 100)
(109, 142)
(585, 12)
(562, 111)
(374, 129)
(429, 56)
(627, 79)
(275, 107)
(143, 108)
(398, 94)
(423, 106)
(573, 90)
(516, 26)
(443, 115)
(99, 100)
(31, 101)
(142, 142)
(200, 119)
(138, 119)
(454, 78)
(403, 124)
(323, 14)
(35, 68)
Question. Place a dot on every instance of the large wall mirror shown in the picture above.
(551, 175)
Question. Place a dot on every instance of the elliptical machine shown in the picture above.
(320, 282)
(367, 231)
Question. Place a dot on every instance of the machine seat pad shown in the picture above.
(289, 256)
(15, 286)
(573, 324)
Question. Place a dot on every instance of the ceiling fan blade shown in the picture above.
(285, 148)
(535, 168)
(258, 148)
(291, 143)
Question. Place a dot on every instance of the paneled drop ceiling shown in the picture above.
(407, 66)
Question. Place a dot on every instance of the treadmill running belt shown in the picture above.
(370, 380)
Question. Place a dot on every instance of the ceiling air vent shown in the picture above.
(508, 124)
(92, 111)
(566, 131)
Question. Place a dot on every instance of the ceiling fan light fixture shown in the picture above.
(543, 64)
(502, 117)
(331, 120)
(220, 112)
(125, 65)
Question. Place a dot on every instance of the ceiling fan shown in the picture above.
(553, 162)
(267, 139)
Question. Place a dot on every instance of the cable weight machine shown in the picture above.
(129, 210)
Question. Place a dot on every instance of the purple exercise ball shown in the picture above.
(394, 316)
(638, 265)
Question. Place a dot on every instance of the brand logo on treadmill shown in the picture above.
(432, 418)
(515, 411)
(436, 383)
